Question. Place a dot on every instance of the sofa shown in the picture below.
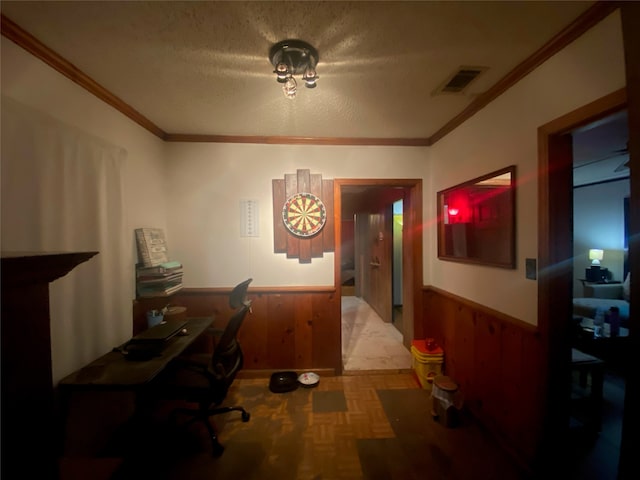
(604, 296)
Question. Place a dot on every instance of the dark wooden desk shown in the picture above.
(114, 371)
(104, 395)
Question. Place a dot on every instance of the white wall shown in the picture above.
(598, 222)
(505, 133)
(33, 84)
(208, 181)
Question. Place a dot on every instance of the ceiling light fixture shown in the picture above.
(294, 57)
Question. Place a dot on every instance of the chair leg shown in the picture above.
(216, 448)
(216, 411)
(203, 415)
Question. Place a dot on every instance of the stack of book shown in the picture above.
(159, 281)
(156, 275)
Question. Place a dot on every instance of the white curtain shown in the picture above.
(62, 190)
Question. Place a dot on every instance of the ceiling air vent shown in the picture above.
(460, 80)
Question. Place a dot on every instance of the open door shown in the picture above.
(374, 247)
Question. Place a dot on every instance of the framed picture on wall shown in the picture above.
(476, 220)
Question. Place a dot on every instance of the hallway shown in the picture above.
(368, 343)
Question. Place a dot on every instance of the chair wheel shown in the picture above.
(246, 416)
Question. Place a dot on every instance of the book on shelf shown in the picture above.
(160, 278)
(162, 290)
(162, 269)
(152, 246)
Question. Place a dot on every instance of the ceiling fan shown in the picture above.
(615, 153)
(625, 164)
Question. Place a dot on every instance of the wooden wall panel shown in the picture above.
(486, 369)
(328, 231)
(253, 332)
(304, 249)
(326, 331)
(461, 361)
(496, 361)
(280, 331)
(280, 233)
(288, 329)
(290, 188)
(303, 319)
(316, 245)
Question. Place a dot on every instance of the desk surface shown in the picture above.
(113, 370)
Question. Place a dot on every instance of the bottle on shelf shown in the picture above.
(614, 321)
(598, 323)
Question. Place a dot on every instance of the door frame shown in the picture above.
(412, 264)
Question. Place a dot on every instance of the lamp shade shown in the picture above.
(595, 255)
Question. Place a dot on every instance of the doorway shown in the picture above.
(600, 189)
(555, 285)
(366, 206)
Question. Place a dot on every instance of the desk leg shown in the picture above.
(597, 385)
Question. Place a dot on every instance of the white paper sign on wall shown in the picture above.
(249, 218)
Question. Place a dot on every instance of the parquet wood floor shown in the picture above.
(348, 427)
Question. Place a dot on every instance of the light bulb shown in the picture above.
(282, 70)
(310, 77)
(290, 87)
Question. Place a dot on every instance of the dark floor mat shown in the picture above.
(441, 452)
(325, 402)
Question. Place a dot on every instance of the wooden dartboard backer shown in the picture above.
(303, 225)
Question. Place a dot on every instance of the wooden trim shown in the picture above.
(286, 140)
(586, 114)
(31, 44)
(578, 27)
(503, 317)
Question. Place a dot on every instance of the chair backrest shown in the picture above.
(238, 296)
(227, 358)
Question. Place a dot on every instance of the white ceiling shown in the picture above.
(202, 67)
(600, 150)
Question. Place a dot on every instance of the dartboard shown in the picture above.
(304, 214)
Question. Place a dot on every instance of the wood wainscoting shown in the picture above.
(495, 359)
(290, 328)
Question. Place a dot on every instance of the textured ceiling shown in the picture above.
(203, 67)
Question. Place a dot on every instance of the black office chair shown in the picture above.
(194, 379)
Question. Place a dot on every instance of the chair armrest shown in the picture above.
(604, 290)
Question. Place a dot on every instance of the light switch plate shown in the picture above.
(531, 268)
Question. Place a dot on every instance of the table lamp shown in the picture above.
(593, 273)
(595, 255)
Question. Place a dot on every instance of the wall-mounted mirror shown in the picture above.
(476, 220)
